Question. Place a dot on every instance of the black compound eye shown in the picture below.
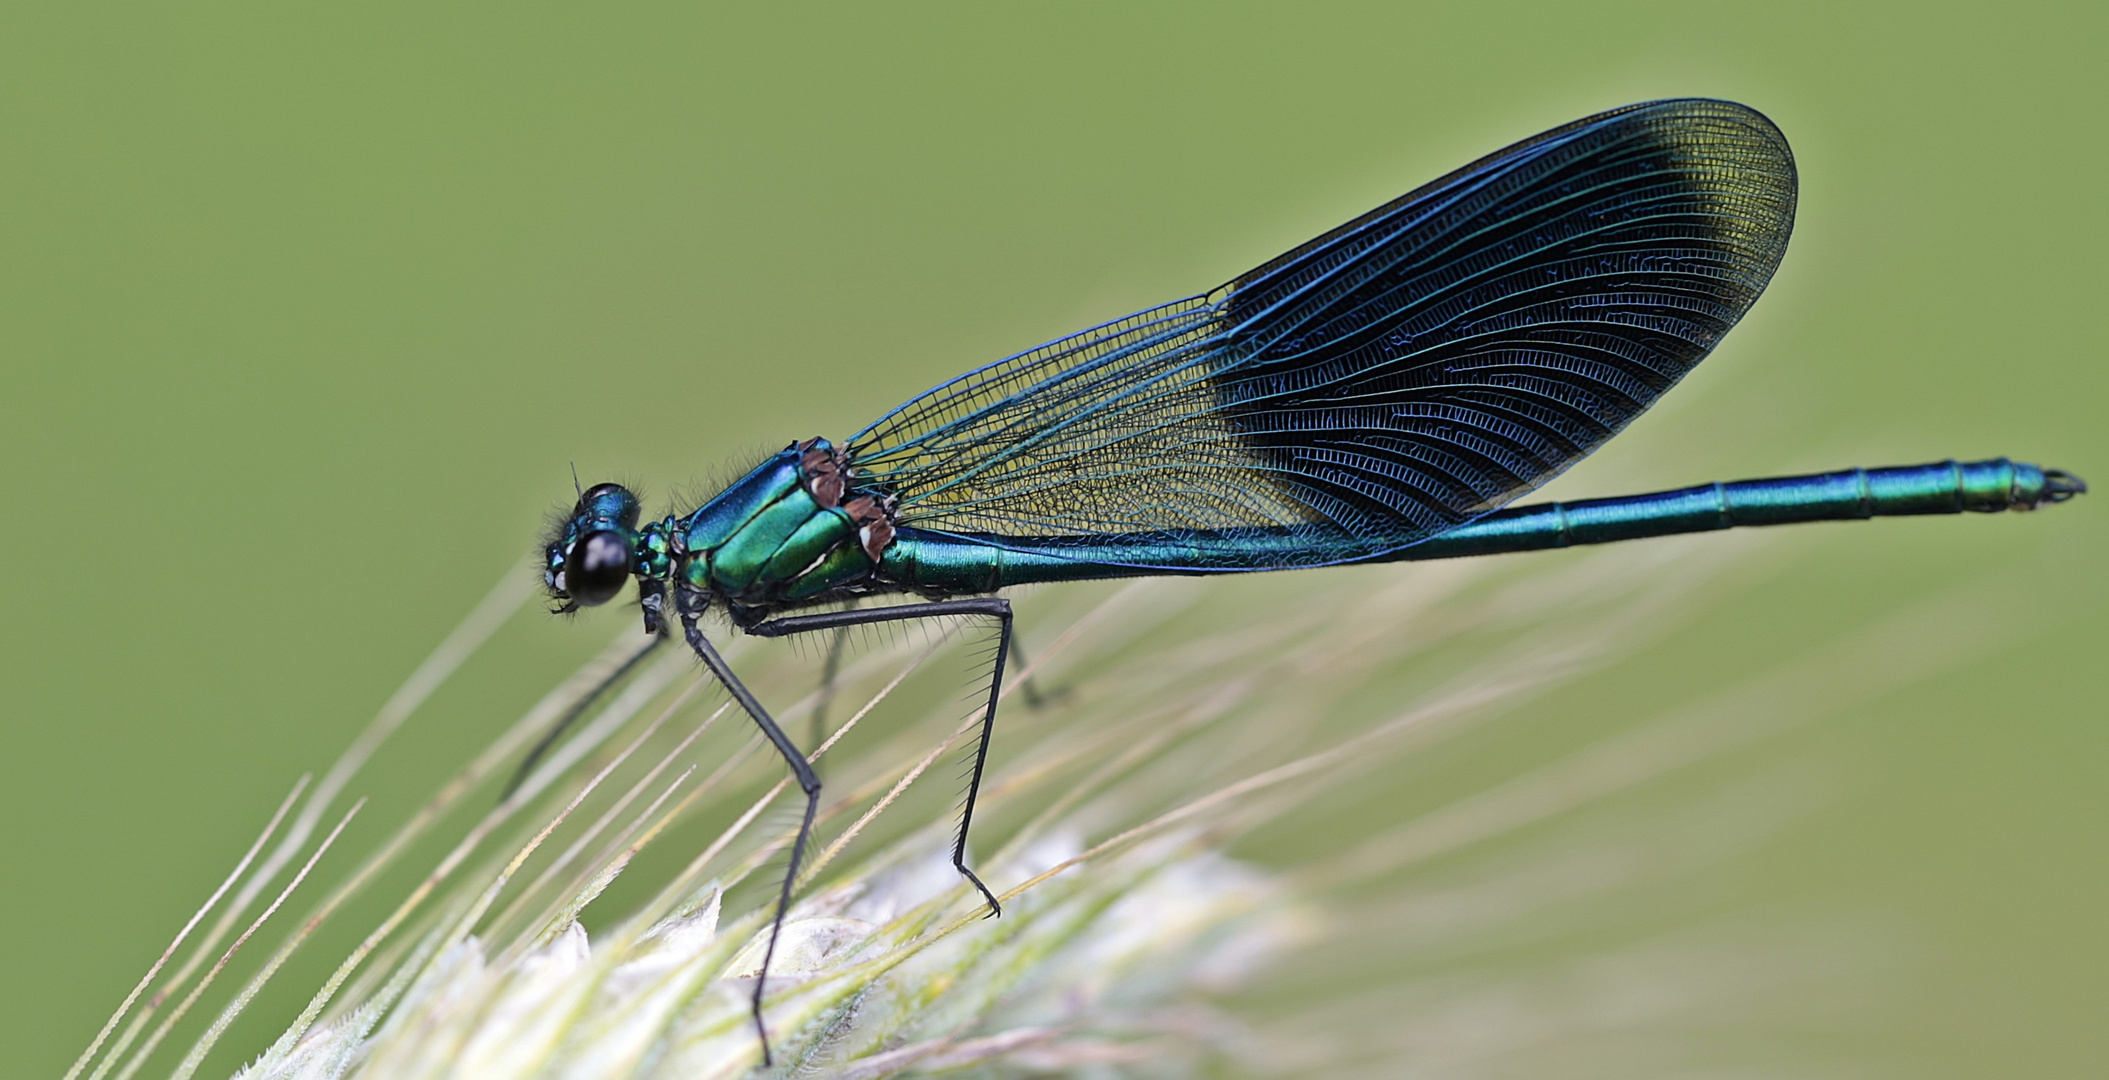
(599, 564)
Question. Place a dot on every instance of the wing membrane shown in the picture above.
(1400, 375)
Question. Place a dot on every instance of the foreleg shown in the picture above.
(690, 606)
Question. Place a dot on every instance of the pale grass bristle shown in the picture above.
(219, 1026)
(1110, 816)
(117, 1051)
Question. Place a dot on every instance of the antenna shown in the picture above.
(575, 481)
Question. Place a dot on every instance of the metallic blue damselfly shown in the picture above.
(1379, 394)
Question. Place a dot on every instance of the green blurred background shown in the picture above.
(308, 313)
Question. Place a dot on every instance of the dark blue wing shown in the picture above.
(1410, 370)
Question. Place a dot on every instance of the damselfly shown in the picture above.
(1379, 394)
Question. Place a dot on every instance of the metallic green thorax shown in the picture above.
(790, 531)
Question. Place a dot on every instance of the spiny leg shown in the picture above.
(571, 715)
(690, 606)
(995, 607)
(828, 673)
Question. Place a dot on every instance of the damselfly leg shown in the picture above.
(689, 606)
(549, 738)
(830, 671)
(991, 607)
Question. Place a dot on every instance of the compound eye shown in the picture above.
(599, 564)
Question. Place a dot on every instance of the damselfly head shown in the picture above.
(593, 551)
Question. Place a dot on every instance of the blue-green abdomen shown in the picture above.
(938, 562)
